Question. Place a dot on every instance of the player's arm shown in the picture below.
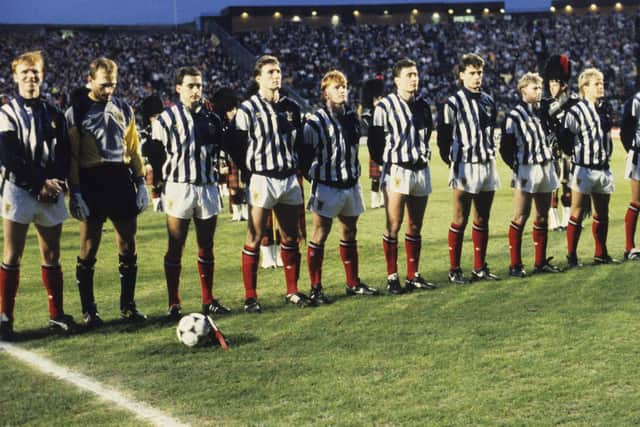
(309, 143)
(508, 143)
(132, 148)
(74, 148)
(568, 131)
(13, 159)
(446, 119)
(629, 123)
(376, 139)
(62, 163)
(239, 138)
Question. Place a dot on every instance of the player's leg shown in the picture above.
(482, 203)
(315, 255)
(415, 210)
(250, 256)
(394, 204)
(600, 227)
(177, 230)
(574, 227)
(461, 209)
(521, 211)
(14, 237)
(542, 263)
(90, 236)
(287, 217)
(51, 272)
(205, 232)
(631, 221)
(128, 267)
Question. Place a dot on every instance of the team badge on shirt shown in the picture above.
(118, 117)
(53, 124)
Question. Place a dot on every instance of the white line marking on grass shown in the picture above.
(46, 366)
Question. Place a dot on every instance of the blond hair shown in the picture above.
(528, 79)
(33, 57)
(585, 78)
(333, 76)
(102, 63)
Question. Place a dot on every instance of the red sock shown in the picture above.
(540, 232)
(250, 271)
(315, 255)
(206, 263)
(600, 228)
(480, 238)
(172, 270)
(390, 247)
(412, 245)
(290, 254)
(515, 243)
(52, 280)
(456, 236)
(630, 222)
(573, 235)
(349, 255)
(9, 282)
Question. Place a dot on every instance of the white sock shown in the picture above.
(554, 222)
(267, 257)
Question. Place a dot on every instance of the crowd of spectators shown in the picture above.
(511, 46)
(147, 61)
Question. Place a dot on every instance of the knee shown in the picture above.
(518, 218)
(414, 229)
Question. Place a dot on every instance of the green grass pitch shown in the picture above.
(551, 349)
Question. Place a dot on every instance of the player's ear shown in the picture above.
(178, 89)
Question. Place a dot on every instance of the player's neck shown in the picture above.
(270, 95)
(406, 96)
(592, 100)
(29, 95)
(336, 108)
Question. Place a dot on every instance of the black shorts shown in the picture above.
(109, 191)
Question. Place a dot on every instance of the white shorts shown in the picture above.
(331, 202)
(632, 171)
(474, 177)
(18, 205)
(406, 181)
(587, 181)
(265, 192)
(186, 201)
(536, 178)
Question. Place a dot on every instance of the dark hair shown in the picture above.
(402, 64)
(186, 71)
(470, 60)
(262, 61)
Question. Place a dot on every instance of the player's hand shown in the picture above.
(157, 204)
(50, 190)
(78, 207)
(142, 197)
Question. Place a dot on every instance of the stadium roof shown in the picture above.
(172, 12)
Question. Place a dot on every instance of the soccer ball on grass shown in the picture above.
(196, 329)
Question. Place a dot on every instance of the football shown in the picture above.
(193, 330)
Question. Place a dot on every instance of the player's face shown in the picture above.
(103, 85)
(29, 78)
(532, 93)
(594, 89)
(407, 81)
(190, 90)
(472, 78)
(336, 93)
(270, 77)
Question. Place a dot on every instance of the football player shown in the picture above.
(34, 166)
(267, 129)
(399, 141)
(585, 136)
(465, 138)
(107, 181)
(525, 148)
(329, 158)
(191, 134)
(630, 136)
